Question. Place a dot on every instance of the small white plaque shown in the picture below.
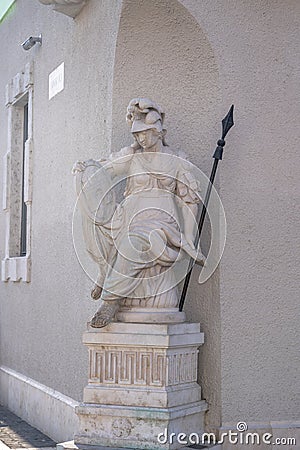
(56, 80)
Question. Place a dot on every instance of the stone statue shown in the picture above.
(138, 242)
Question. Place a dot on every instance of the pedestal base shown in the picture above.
(142, 383)
(137, 428)
(151, 315)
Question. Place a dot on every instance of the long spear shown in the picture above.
(227, 123)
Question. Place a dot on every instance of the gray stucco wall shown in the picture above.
(196, 58)
(42, 321)
(256, 49)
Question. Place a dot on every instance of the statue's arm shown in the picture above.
(188, 194)
(118, 162)
(189, 222)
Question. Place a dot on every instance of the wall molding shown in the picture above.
(44, 408)
(70, 8)
(19, 91)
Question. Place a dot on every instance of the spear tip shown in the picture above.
(227, 122)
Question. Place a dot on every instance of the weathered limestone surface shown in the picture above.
(142, 379)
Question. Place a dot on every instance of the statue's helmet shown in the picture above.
(144, 114)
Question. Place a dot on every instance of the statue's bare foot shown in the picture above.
(96, 292)
(105, 314)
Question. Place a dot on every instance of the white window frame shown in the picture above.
(16, 268)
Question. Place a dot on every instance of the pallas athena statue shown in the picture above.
(142, 244)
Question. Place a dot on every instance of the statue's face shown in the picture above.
(147, 138)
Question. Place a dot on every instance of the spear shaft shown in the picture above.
(227, 123)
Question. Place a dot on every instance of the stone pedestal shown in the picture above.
(142, 380)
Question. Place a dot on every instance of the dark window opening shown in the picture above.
(23, 204)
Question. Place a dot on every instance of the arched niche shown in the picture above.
(162, 53)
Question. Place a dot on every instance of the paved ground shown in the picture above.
(16, 433)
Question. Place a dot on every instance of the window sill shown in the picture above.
(16, 269)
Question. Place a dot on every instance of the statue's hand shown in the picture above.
(79, 166)
(200, 259)
(190, 249)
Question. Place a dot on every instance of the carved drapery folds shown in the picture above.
(68, 7)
